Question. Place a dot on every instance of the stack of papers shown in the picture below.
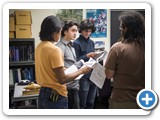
(98, 74)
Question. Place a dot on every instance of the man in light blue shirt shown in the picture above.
(68, 33)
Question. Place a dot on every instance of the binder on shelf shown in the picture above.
(11, 79)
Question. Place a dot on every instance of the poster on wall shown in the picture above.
(99, 17)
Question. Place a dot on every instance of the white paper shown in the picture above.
(98, 75)
(100, 55)
(72, 69)
(18, 89)
(90, 63)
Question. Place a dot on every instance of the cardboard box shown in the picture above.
(11, 34)
(23, 17)
(11, 24)
(23, 31)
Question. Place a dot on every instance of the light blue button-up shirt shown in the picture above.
(69, 59)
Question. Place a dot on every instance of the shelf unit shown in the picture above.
(21, 63)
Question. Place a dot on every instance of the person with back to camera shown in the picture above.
(68, 33)
(126, 62)
(49, 67)
(84, 48)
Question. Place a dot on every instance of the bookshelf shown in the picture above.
(21, 63)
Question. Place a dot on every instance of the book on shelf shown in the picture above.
(16, 75)
(21, 53)
(11, 79)
(19, 74)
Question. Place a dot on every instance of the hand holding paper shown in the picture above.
(85, 69)
(74, 68)
(100, 56)
(87, 66)
(91, 54)
(78, 65)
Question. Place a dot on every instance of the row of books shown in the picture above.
(21, 53)
(27, 104)
(19, 74)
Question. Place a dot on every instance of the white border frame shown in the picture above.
(104, 5)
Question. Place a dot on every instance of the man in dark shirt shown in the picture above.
(84, 48)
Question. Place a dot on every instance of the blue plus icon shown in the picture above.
(147, 99)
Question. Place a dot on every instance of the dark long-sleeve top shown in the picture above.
(82, 47)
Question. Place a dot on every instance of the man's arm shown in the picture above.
(109, 73)
(64, 78)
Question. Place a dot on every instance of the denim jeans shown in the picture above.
(44, 101)
(87, 93)
(73, 99)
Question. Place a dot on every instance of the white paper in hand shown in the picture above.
(98, 75)
(74, 68)
(100, 56)
(89, 63)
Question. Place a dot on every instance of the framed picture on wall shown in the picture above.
(99, 17)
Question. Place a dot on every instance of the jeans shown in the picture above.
(87, 93)
(73, 99)
(44, 101)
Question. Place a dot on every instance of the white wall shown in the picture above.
(39, 14)
(37, 18)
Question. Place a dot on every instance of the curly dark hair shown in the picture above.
(50, 25)
(87, 24)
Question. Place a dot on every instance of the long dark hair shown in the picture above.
(133, 27)
(50, 25)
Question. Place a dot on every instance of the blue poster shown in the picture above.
(99, 17)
